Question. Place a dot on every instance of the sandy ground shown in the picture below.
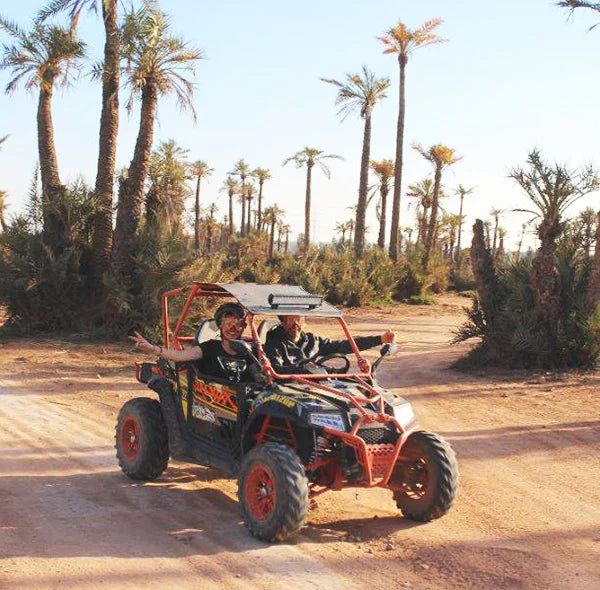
(527, 516)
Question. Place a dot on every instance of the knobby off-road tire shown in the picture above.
(141, 439)
(429, 481)
(273, 492)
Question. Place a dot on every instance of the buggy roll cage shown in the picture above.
(271, 300)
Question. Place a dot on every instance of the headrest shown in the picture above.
(207, 330)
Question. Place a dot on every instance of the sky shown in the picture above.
(512, 76)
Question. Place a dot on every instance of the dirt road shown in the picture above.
(528, 513)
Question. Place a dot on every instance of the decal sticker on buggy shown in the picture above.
(217, 396)
(203, 413)
(281, 399)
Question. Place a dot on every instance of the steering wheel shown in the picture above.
(321, 360)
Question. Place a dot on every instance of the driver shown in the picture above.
(288, 344)
(215, 357)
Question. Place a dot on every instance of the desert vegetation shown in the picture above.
(112, 248)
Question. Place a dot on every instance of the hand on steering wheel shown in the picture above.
(321, 360)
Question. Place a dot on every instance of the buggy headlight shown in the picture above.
(334, 421)
(404, 414)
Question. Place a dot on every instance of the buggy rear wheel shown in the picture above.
(141, 439)
(273, 492)
(425, 481)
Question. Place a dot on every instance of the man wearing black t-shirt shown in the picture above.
(214, 357)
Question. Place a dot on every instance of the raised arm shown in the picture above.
(187, 354)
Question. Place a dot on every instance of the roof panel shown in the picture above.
(255, 298)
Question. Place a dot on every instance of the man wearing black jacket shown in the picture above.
(288, 344)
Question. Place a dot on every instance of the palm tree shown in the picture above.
(2, 209)
(309, 157)
(109, 122)
(523, 228)
(242, 170)
(210, 226)
(242, 201)
(462, 192)
(552, 189)
(262, 175)
(341, 228)
(40, 59)
(360, 92)
(495, 213)
(384, 170)
(350, 225)
(232, 186)
(404, 41)
(156, 64)
(200, 170)
(423, 192)
(272, 216)
(286, 229)
(441, 157)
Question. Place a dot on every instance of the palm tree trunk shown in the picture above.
(249, 218)
(361, 208)
(287, 241)
(51, 185)
(431, 229)
(383, 219)
(243, 225)
(307, 209)
(197, 216)
(130, 201)
(271, 239)
(592, 292)
(109, 126)
(460, 222)
(260, 189)
(398, 165)
(230, 213)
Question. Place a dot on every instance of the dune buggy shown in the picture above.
(285, 437)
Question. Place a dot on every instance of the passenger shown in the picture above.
(288, 344)
(214, 357)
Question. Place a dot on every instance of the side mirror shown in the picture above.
(386, 350)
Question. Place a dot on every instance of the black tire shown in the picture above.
(273, 492)
(141, 439)
(425, 487)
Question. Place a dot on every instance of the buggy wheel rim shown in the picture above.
(415, 482)
(259, 490)
(130, 438)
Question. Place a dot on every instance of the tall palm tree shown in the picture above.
(272, 216)
(242, 201)
(210, 226)
(286, 229)
(232, 187)
(441, 157)
(309, 157)
(262, 175)
(200, 169)
(404, 41)
(156, 63)
(41, 59)
(242, 170)
(462, 192)
(359, 93)
(109, 122)
(422, 191)
(384, 170)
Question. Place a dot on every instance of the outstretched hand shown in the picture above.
(141, 343)
(388, 337)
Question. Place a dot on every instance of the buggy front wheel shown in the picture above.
(273, 492)
(425, 479)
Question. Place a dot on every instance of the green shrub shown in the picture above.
(421, 300)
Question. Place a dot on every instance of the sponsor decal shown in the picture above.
(217, 394)
(203, 413)
(281, 399)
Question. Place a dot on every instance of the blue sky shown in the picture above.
(513, 75)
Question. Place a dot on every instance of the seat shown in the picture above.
(207, 330)
(264, 327)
